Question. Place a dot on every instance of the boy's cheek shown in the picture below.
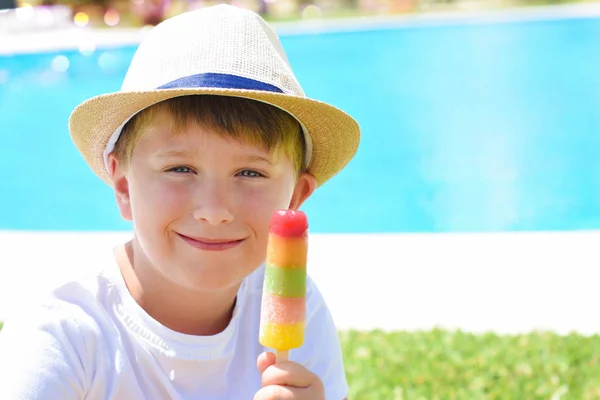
(266, 199)
(258, 209)
(161, 193)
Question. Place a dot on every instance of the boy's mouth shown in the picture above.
(210, 243)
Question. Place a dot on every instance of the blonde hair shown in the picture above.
(250, 121)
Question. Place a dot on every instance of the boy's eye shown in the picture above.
(180, 169)
(248, 173)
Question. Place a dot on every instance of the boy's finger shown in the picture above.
(288, 373)
(276, 392)
(264, 361)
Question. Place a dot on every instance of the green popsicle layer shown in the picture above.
(286, 282)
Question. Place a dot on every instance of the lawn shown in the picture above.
(455, 365)
(447, 365)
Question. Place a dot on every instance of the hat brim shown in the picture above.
(334, 134)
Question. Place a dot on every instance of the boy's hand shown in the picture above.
(287, 380)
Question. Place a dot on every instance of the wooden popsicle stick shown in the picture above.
(281, 355)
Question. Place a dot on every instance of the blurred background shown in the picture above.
(465, 231)
(111, 13)
(138, 12)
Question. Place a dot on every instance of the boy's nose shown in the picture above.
(213, 206)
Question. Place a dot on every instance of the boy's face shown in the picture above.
(201, 204)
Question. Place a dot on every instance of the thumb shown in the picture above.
(264, 361)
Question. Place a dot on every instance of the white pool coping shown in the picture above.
(84, 37)
(501, 282)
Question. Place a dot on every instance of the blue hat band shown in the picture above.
(219, 81)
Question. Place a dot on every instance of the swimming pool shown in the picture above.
(466, 127)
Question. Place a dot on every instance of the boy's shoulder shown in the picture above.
(53, 342)
(73, 307)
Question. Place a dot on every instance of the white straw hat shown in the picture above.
(218, 50)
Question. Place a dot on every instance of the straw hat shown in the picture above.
(218, 50)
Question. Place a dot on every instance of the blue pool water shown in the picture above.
(491, 127)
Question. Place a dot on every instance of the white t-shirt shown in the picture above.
(90, 340)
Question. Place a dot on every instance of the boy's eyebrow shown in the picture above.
(257, 158)
(174, 153)
(189, 154)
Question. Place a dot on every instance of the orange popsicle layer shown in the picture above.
(287, 252)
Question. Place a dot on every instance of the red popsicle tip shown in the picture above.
(289, 223)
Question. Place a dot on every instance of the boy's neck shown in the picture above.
(179, 309)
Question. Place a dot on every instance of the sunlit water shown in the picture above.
(465, 128)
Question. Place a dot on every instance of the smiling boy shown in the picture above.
(210, 134)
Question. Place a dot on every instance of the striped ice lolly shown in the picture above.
(283, 311)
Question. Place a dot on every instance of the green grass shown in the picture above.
(447, 365)
(455, 365)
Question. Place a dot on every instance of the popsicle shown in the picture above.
(283, 307)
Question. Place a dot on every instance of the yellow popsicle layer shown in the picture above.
(282, 336)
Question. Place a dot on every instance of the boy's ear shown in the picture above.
(120, 185)
(305, 186)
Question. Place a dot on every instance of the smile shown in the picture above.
(210, 244)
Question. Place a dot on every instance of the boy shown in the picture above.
(210, 134)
